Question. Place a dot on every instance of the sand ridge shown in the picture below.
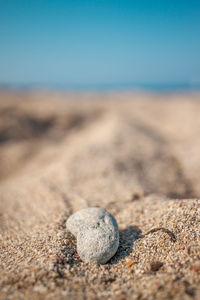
(135, 155)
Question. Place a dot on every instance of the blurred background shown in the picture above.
(120, 78)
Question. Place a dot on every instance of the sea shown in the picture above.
(101, 87)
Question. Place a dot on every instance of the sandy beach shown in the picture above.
(135, 154)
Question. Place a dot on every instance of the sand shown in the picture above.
(136, 155)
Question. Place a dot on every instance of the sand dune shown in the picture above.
(135, 154)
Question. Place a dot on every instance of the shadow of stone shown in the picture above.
(127, 238)
(129, 235)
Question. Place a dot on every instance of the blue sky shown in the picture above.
(85, 42)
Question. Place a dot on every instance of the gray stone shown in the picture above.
(97, 234)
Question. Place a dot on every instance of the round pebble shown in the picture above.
(97, 234)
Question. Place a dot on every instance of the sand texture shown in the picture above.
(137, 156)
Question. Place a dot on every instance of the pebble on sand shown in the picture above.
(97, 234)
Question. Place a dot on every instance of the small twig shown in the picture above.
(170, 233)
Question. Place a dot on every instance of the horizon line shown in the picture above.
(143, 86)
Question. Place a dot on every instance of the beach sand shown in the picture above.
(136, 155)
